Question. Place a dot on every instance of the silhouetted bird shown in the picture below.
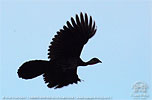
(64, 54)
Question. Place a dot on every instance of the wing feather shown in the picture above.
(70, 40)
(59, 78)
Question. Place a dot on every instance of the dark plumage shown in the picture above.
(64, 54)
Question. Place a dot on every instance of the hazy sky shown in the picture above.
(122, 42)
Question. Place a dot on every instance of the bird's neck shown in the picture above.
(90, 62)
(82, 63)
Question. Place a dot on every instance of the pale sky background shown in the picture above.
(122, 42)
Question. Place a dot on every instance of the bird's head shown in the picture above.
(94, 61)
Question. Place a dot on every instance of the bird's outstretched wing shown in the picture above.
(70, 40)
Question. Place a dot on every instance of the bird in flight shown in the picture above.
(64, 54)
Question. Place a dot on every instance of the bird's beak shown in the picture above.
(100, 61)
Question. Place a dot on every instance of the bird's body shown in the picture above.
(64, 54)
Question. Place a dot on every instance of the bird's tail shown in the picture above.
(32, 69)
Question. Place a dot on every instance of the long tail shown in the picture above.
(32, 69)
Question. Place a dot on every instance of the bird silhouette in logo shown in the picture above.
(64, 54)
